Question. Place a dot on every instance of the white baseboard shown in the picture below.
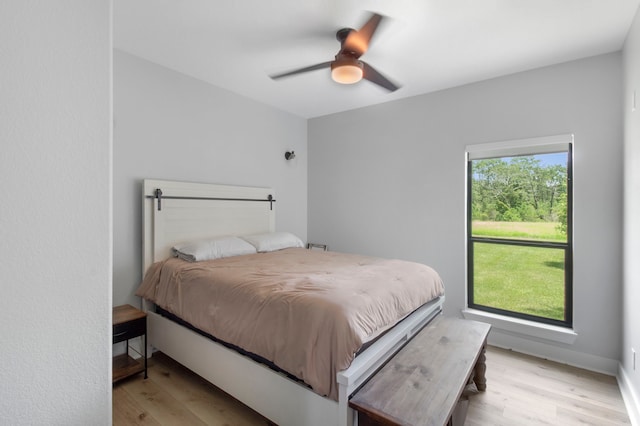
(540, 349)
(629, 395)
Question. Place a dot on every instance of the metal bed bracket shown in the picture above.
(158, 195)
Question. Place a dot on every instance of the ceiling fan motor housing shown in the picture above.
(342, 33)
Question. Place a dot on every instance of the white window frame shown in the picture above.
(519, 326)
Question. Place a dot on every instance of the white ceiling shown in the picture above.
(424, 45)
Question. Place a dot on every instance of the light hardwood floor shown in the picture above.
(521, 390)
(524, 390)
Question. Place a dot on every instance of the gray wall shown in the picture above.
(389, 180)
(631, 294)
(55, 212)
(170, 126)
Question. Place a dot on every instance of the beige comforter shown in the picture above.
(306, 311)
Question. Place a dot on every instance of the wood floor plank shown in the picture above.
(206, 401)
(533, 391)
(126, 411)
(574, 401)
(521, 390)
(570, 418)
(562, 383)
(599, 388)
(160, 404)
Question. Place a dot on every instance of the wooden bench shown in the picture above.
(423, 383)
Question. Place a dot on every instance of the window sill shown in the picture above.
(523, 327)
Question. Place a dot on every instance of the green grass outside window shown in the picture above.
(528, 280)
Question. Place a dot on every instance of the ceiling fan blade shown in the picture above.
(370, 73)
(302, 70)
(358, 41)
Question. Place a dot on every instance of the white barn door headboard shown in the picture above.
(187, 211)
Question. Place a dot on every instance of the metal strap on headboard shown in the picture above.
(158, 195)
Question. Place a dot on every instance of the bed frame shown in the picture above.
(176, 212)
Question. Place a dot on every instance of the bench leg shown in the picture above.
(480, 370)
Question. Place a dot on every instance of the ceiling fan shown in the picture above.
(347, 68)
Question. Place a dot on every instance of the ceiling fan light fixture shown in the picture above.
(346, 71)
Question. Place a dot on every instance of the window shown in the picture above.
(519, 229)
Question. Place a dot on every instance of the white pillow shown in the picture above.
(273, 241)
(215, 248)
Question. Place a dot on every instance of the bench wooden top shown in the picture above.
(423, 382)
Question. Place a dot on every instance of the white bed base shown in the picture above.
(275, 396)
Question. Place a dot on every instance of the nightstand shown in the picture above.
(128, 322)
(314, 246)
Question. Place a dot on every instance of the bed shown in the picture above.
(179, 212)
